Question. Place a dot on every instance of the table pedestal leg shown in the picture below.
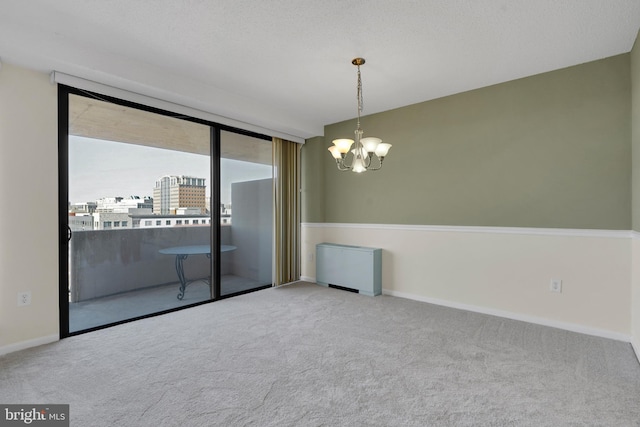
(180, 270)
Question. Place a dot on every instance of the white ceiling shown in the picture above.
(286, 64)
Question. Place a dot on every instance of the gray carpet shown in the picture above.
(304, 355)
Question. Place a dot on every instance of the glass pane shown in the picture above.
(246, 195)
(139, 209)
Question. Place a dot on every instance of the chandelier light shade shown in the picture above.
(358, 154)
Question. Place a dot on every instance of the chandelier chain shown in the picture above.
(359, 95)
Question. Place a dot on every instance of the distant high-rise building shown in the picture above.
(172, 192)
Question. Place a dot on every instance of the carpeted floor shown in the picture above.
(312, 356)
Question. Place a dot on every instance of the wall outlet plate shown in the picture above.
(24, 298)
(555, 285)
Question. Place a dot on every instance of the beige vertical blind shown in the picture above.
(286, 211)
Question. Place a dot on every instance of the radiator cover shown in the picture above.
(354, 267)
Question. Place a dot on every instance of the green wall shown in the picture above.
(551, 150)
(312, 167)
(635, 133)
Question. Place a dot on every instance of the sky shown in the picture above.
(99, 168)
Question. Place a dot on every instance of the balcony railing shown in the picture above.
(109, 262)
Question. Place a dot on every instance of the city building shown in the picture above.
(156, 221)
(83, 207)
(123, 205)
(111, 220)
(80, 222)
(108, 213)
(172, 192)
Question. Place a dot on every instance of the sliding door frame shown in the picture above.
(63, 209)
(63, 198)
(215, 213)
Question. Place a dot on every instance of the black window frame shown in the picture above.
(63, 193)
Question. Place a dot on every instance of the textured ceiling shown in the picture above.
(286, 64)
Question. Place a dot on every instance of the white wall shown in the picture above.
(500, 271)
(635, 295)
(635, 192)
(29, 182)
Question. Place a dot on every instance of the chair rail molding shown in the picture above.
(572, 232)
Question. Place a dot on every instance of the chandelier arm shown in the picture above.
(380, 159)
(340, 165)
(368, 157)
(344, 161)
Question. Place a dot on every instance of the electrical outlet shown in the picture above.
(555, 285)
(310, 256)
(24, 298)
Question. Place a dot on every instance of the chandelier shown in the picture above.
(364, 149)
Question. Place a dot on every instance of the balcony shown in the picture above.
(119, 274)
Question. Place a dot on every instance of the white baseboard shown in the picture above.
(289, 283)
(636, 347)
(573, 327)
(28, 344)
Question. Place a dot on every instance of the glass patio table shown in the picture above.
(182, 253)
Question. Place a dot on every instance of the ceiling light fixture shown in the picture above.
(364, 149)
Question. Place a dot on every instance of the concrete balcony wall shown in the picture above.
(253, 229)
(108, 262)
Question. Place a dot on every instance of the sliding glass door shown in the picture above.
(162, 211)
(246, 207)
(139, 213)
